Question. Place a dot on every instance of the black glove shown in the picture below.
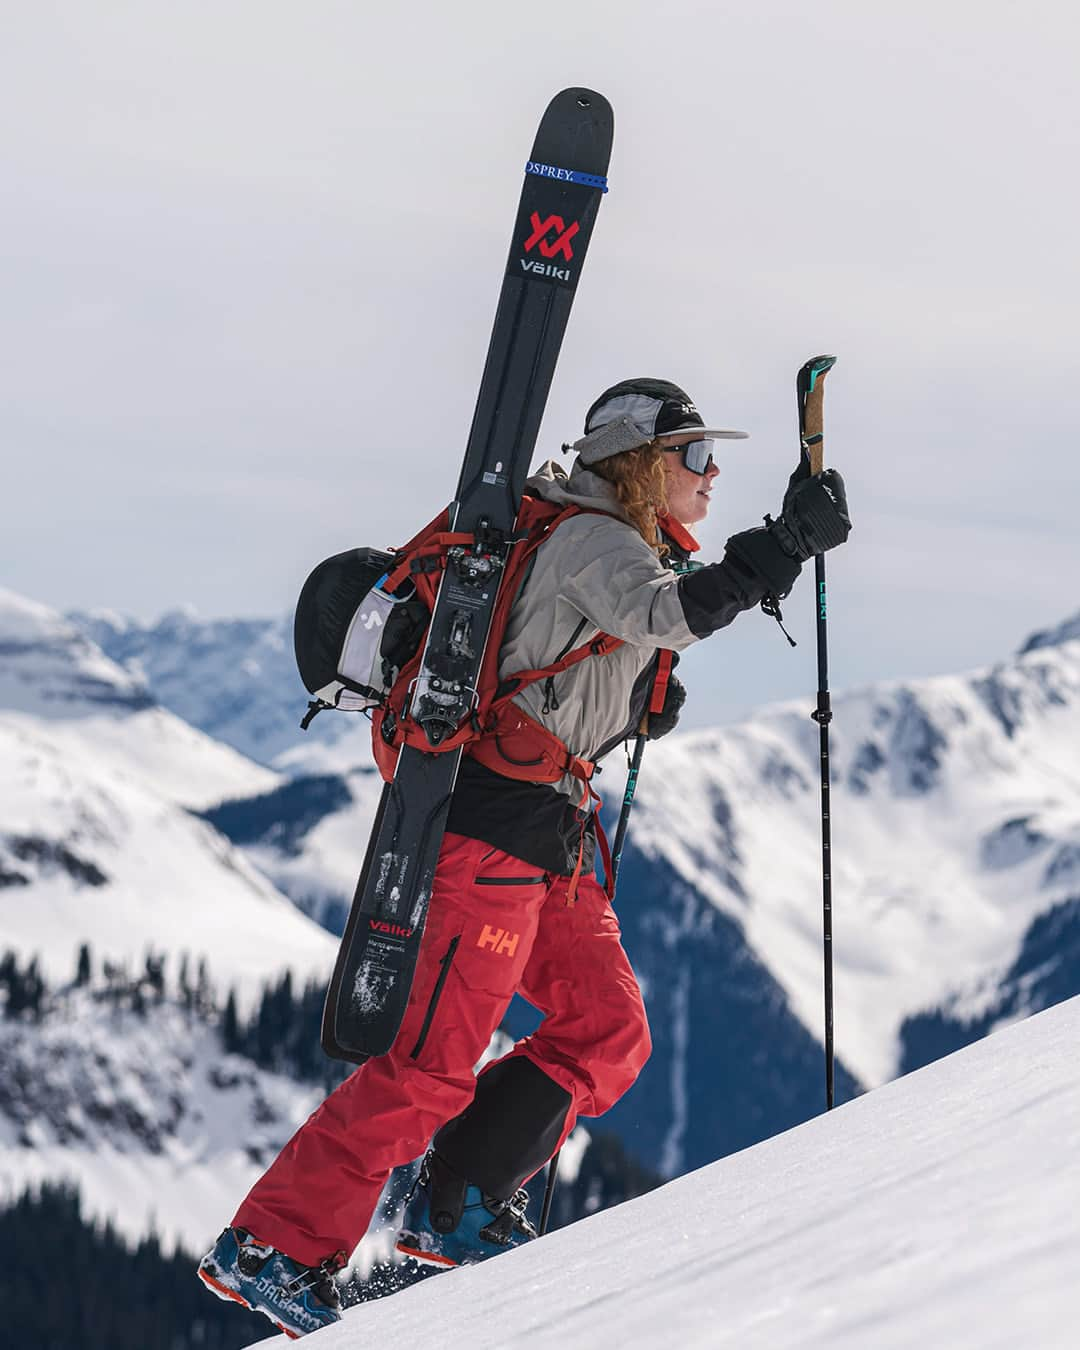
(763, 564)
(664, 721)
(814, 517)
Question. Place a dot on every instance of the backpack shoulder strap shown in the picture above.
(664, 666)
(540, 519)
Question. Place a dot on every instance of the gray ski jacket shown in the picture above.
(597, 575)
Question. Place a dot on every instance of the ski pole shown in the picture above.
(628, 801)
(549, 1193)
(616, 855)
(810, 388)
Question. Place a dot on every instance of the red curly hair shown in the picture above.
(640, 484)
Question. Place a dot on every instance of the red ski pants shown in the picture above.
(496, 926)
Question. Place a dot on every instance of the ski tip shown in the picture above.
(576, 132)
(585, 99)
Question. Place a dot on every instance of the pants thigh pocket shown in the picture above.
(436, 994)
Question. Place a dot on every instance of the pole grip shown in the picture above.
(811, 393)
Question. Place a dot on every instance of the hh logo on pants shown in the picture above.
(501, 941)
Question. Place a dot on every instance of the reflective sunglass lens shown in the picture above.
(697, 456)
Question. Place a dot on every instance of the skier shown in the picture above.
(515, 906)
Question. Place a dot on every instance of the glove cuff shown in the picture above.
(760, 554)
(786, 540)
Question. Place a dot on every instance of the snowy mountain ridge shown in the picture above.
(1068, 631)
(956, 823)
(236, 679)
(48, 667)
(98, 840)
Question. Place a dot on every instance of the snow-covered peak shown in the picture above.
(237, 680)
(1069, 631)
(48, 667)
(52, 671)
(955, 809)
(92, 848)
(97, 839)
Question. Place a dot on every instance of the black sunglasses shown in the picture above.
(697, 456)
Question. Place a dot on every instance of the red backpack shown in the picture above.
(498, 733)
(359, 633)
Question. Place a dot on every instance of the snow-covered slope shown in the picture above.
(99, 844)
(92, 852)
(937, 1211)
(308, 835)
(51, 672)
(146, 1113)
(97, 838)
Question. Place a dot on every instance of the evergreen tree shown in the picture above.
(283, 1033)
(230, 1025)
(83, 971)
(116, 981)
(163, 1306)
(183, 985)
(35, 989)
(205, 998)
(9, 974)
(155, 975)
(25, 989)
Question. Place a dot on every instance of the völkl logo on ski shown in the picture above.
(563, 234)
(390, 929)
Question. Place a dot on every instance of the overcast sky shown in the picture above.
(251, 253)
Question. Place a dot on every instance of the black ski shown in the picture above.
(564, 182)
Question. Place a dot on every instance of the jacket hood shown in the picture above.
(580, 487)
